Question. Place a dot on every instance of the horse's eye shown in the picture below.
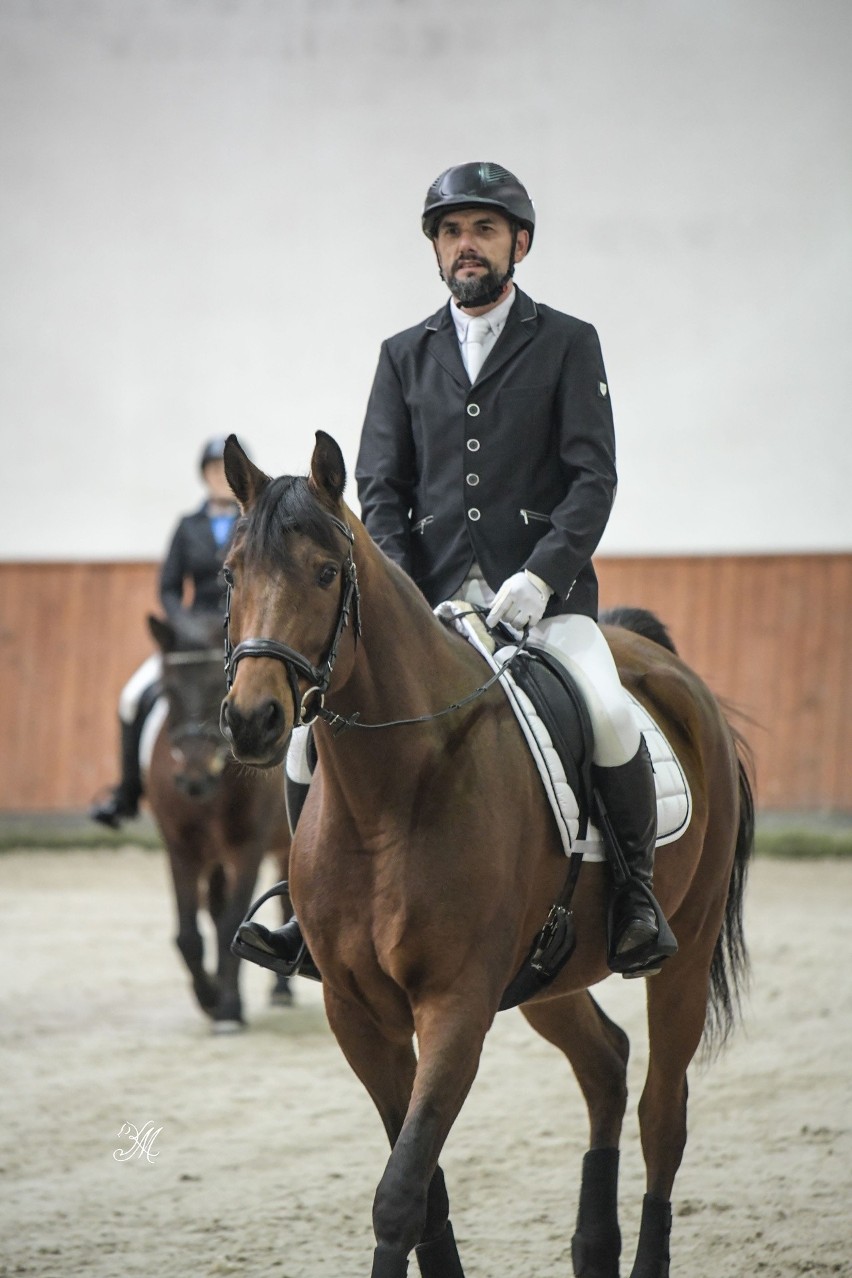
(327, 575)
(229, 576)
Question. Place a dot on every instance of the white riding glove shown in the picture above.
(520, 601)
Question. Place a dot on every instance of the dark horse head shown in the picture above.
(193, 683)
(292, 592)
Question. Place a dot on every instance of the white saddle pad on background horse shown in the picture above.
(150, 731)
(674, 801)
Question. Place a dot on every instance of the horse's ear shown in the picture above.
(247, 480)
(163, 632)
(328, 470)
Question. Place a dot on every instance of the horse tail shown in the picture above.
(641, 622)
(729, 968)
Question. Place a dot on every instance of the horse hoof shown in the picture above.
(281, 995)
(228, 1027)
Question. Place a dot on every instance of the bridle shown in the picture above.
(194, 731)
(319, 677)
(295, 663)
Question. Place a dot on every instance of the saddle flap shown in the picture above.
(564, 772)
(562, 710)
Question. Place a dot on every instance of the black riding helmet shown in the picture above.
(478, 184)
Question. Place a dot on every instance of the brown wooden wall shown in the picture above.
(773, 634)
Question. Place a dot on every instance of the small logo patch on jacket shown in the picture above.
(602, 390)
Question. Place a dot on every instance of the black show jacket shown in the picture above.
(193, 554)
(515, 471)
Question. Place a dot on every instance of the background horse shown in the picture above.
(426, 860)
(217, 819)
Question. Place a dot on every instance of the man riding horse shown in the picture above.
(487, 471)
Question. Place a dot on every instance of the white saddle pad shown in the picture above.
(674, 801)
(150, 731)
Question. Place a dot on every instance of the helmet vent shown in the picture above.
(494, 174)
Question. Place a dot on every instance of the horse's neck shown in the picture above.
(407, 665)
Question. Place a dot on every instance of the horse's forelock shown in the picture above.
(285, 506)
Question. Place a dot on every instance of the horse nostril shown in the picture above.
(271, 718)
(225, 720)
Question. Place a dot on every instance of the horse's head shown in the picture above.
(292, 591)
(193, 682)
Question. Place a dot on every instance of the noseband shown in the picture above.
(297, 665)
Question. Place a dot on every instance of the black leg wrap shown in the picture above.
(439, 1258)
(388, 1263)
(596, 1245)
(652, 1254)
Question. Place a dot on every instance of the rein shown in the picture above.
(296, 664)
(339, 723)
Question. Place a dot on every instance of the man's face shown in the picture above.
(473, 248)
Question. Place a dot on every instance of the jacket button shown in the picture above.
(473, 514)
(473, 410)
(473, 480)
(473, 445)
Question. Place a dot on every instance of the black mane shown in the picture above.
(287, 504)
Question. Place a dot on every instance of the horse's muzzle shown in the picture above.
(258, 736)
(197, 785)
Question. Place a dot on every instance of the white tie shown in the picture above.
(477, 331)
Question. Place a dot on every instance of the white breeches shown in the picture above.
(578, 644)
(149, 672)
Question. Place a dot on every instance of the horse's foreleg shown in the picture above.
(231, 910)
(677, 1001)
(411, 1208)
(188, 939)
(385, 1063)
(597, 1050)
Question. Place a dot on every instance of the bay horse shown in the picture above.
(217, 819)
(426, 860)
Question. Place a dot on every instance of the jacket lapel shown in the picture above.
(444, 346)
(520, 326)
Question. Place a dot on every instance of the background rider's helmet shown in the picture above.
(213, 450)
(480, 184)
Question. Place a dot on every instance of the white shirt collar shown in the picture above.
(496, 318)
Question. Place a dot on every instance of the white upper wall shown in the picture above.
(209, 220)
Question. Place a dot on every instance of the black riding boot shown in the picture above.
(281, 949)
(638, 936)
(123, 801)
